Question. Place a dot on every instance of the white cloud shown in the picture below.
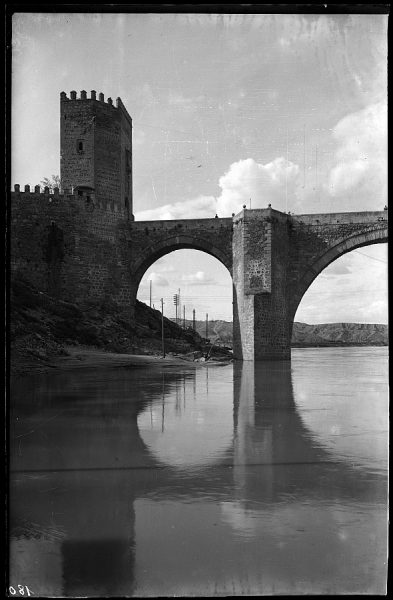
(166, 268)
(158, 279)
(195, 208)
(272, 183)
(338, 267)
(360, 172)
(177, 99)
(198, 278)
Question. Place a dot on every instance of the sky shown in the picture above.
(228, 109)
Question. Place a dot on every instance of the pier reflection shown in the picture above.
(270, 432)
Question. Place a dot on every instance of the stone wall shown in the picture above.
(70, 247)
(243, 304)
(272, 329)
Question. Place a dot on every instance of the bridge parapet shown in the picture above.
(342, 217)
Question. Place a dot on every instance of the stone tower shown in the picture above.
(96, 149)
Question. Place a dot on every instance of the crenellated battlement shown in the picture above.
(82, 198)
(93, 97)
(83, 96)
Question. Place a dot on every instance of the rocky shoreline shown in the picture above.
(74, 358)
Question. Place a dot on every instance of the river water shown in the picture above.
(243, 479)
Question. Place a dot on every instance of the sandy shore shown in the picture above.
(90, 358)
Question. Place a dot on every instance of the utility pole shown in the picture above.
(176, 303)
(207, 325)
(162, 327)
(286, 178)
(184, 317)
(150, 293)
(193, 319)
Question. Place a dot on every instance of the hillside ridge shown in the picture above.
(304, 334)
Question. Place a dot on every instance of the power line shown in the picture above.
(372, 257)
(351, 292)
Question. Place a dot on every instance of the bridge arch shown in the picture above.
(178, 242)
(367, 238)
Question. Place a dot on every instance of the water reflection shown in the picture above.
(205, 482)
(184, 430)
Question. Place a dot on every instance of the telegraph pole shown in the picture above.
(184, 317)
(162, 327)
(176, 303)
(193, 319)
(207, 325)
(150, 293)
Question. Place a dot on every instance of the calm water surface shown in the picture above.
(245, 479)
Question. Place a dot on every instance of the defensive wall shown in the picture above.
(69, 246)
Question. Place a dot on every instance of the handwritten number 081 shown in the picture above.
(20, 591)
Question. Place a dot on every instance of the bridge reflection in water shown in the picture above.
(172, 488)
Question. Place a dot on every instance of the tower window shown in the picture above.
(79, 147)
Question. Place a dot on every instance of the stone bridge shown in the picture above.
(75, 248)
(273, 258)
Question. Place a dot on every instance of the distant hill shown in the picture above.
(339, 334)
(325, 334)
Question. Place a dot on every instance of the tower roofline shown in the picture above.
(93, 97)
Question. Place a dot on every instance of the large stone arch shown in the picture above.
(177, 242)
(273, 258)
(367, 238)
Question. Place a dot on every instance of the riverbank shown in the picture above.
(48, 333)
(92, 358)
